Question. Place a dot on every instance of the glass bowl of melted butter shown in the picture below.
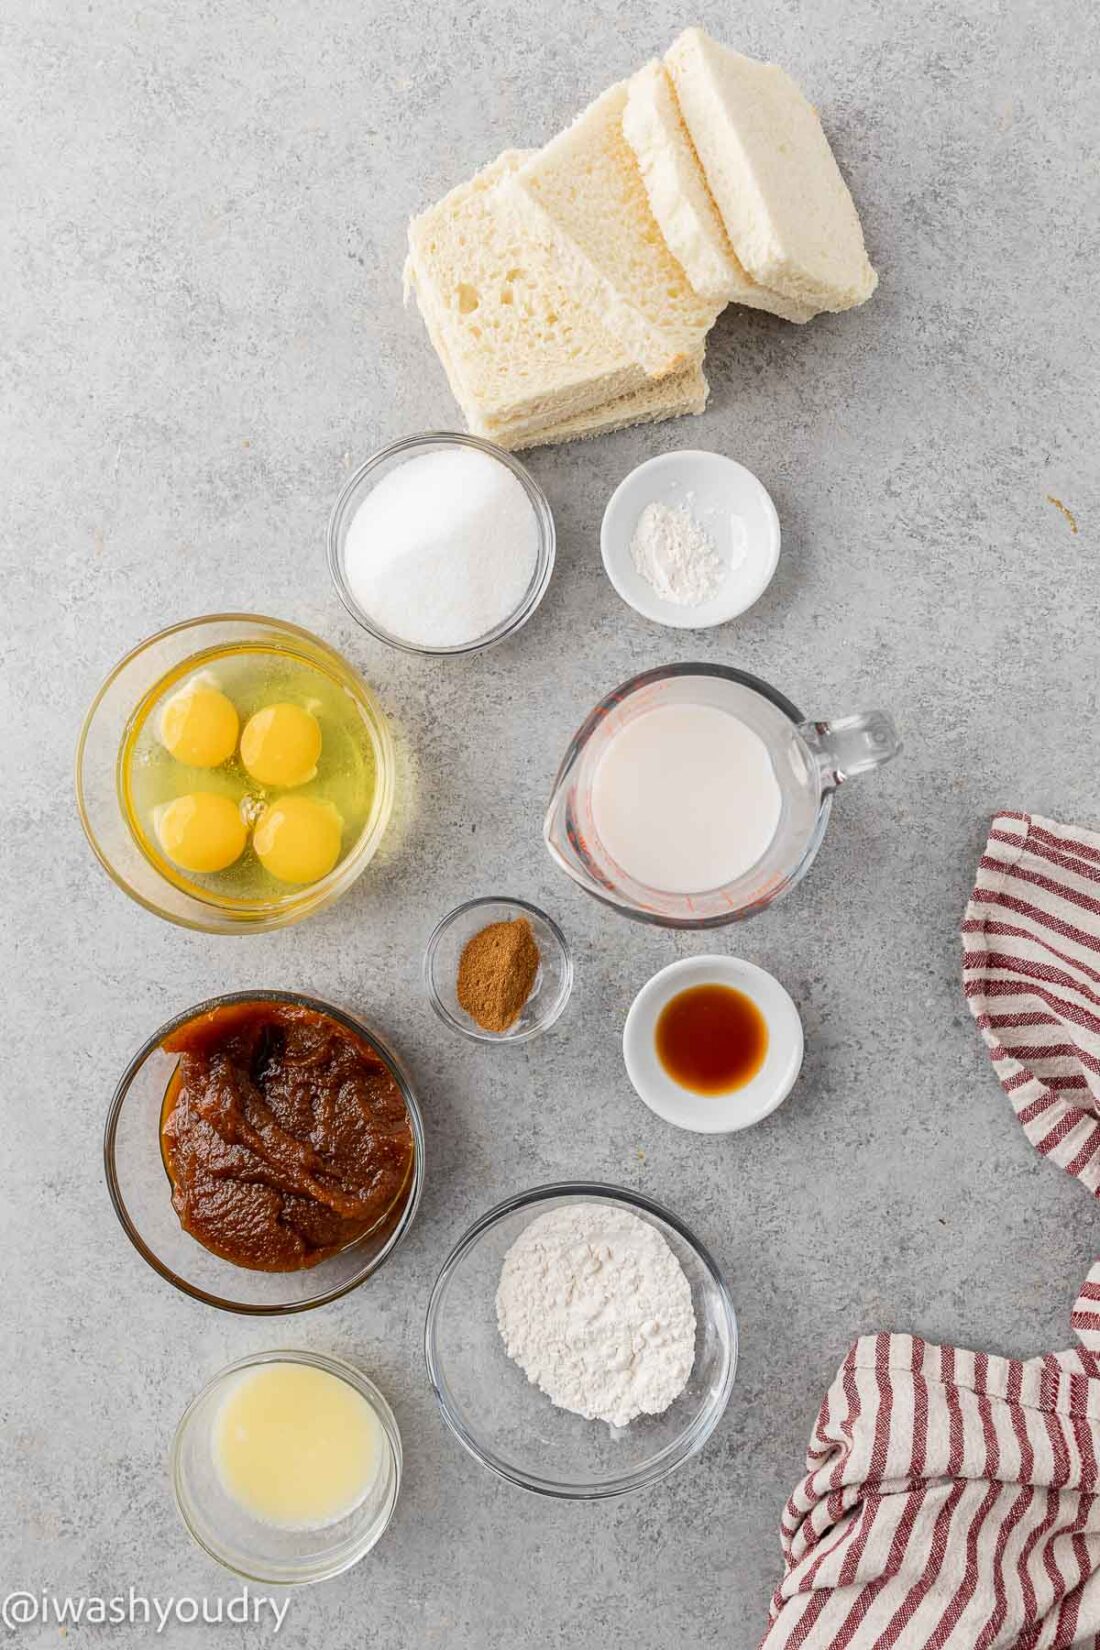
(234, 774)
(286, 1467)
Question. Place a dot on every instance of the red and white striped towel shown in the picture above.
(1031, 963)
(950, 1503)
(951, 1499)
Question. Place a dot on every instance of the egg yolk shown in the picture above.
(297, 838)
(199, 726)
(202, 831)
(280, 745)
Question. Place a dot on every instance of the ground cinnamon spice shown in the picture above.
(496, 973)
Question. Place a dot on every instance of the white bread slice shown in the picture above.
(683, 205)
(786, 208)
(672, 396)
(514, 343)
(668, 397)
(587, 207)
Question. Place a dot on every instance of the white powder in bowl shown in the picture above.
(675, 555)
(443, 549)
(595, 1308)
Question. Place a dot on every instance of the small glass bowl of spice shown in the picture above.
(498, 970)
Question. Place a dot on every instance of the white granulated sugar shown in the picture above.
(596, 1310)
(443, 549)
(676, 555)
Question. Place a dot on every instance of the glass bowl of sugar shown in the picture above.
(441, 544)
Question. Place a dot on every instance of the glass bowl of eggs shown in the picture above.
(234, 774)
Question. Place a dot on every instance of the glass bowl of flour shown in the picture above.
(581, 1341)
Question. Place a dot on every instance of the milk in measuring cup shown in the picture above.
(685, 798)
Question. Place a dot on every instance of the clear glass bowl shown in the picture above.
(263, 1552)
(142, 1193)
(370, 473)
(553, 982)
(97, 777)
(512, 1427)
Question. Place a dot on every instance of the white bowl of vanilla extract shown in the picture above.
(713, 1044)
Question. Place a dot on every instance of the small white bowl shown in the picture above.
(713, 1113)
(720, 493)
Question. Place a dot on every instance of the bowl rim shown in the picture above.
(335, 537)
(318, 895)
(118, 1100)
(674, 1454)
(473, 1031)
(344, 1370)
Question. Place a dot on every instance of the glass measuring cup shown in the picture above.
(810, 759)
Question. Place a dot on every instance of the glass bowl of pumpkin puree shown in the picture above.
(264, 1152)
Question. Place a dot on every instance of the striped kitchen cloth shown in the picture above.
(1031, 963)
(950, 1503)
(950, 1499)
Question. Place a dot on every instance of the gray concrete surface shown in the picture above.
(201, 332)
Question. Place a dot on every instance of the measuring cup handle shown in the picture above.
(852, 744)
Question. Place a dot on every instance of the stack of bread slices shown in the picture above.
(569, 290)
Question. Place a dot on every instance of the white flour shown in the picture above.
(596, 1310)
(676, 555)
